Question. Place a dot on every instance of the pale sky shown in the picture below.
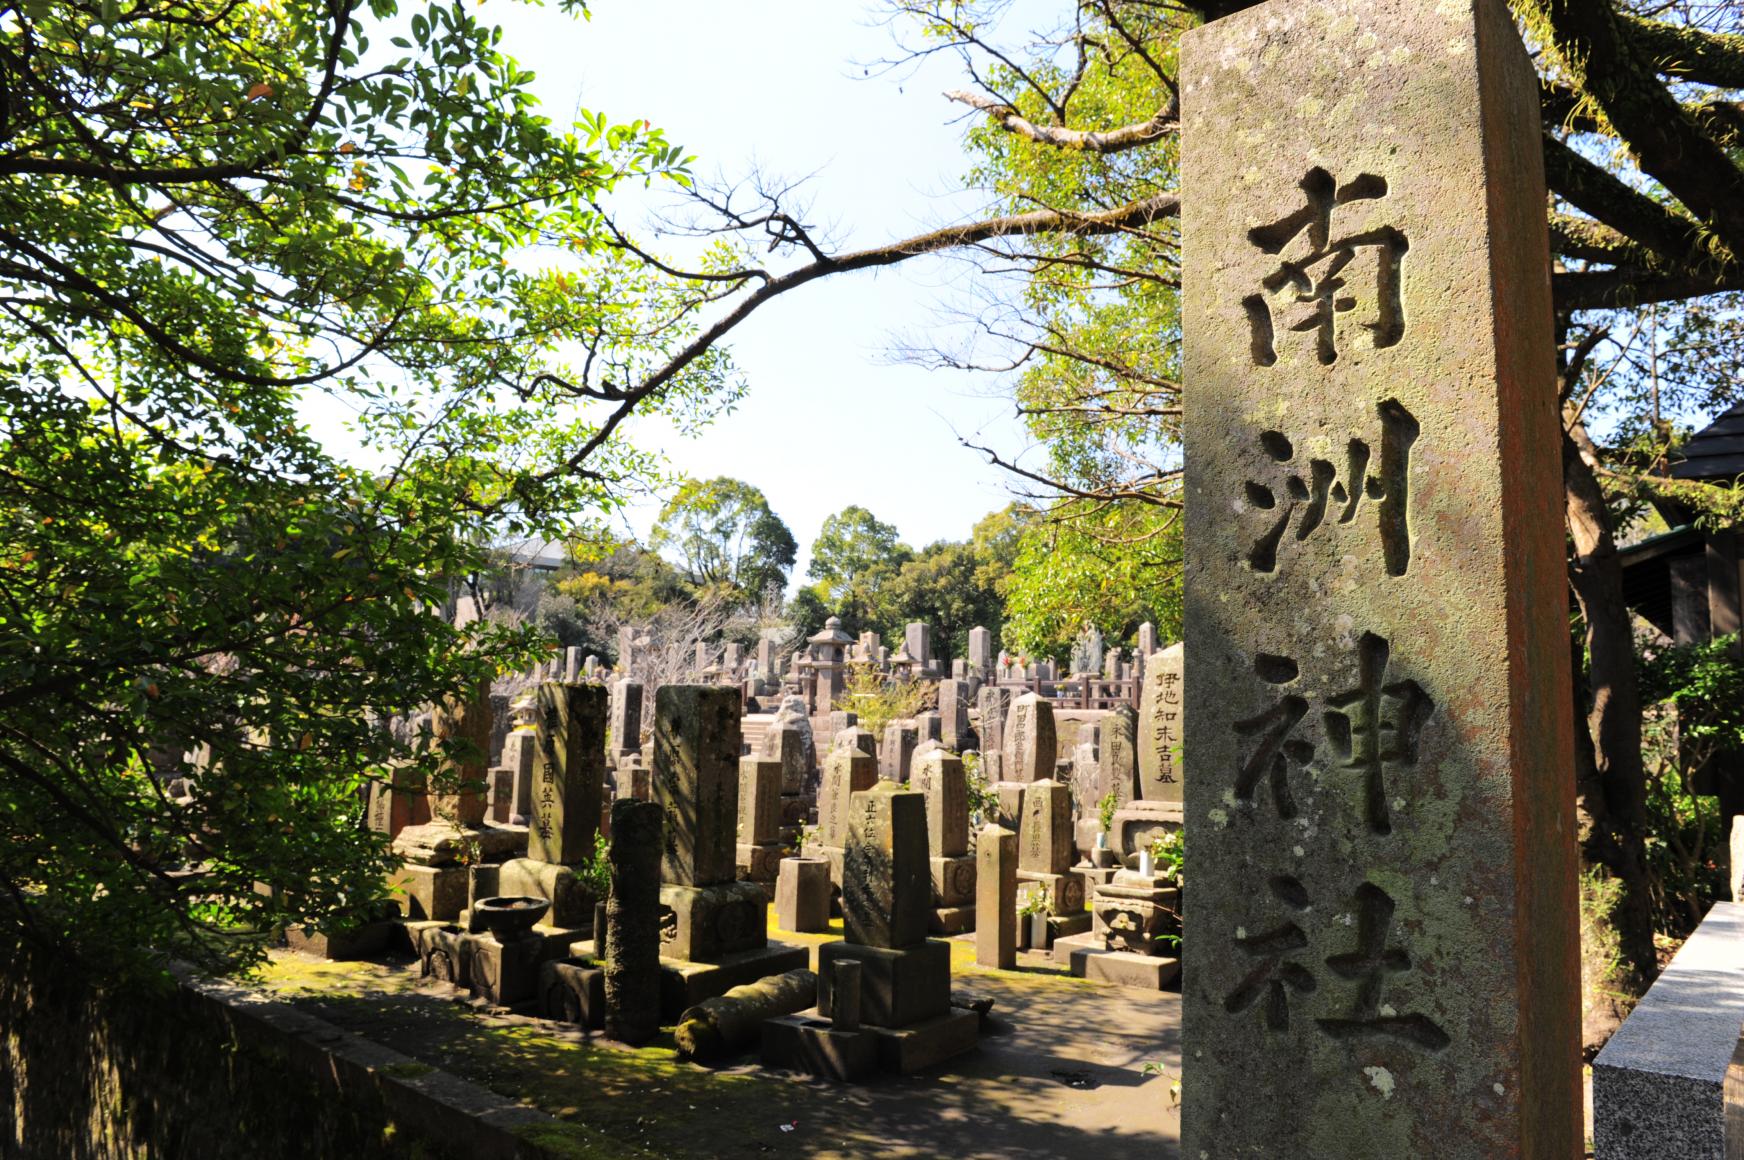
(829, 421)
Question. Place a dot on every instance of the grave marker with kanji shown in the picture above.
(1380, 953)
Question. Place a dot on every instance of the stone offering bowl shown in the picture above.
(508, 917)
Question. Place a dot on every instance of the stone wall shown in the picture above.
(203, 1070)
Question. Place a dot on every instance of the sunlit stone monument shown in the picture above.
(1380, 944)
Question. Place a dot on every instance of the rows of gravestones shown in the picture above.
(501, 882)
(1381, 667)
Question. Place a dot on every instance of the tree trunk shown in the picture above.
(1611, 782)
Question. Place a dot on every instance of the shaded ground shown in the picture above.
(1059, 1073)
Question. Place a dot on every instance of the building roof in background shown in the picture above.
(1716, 452)
(547, 555)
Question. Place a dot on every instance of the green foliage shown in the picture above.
(1113, 567)
(877, 701)
(595, 873)
(1037, 901)
(983, 800)
(1693, 722)
(213, 211)
(855, 556)
(725, 536)
(1105, 810)
(1169, 853)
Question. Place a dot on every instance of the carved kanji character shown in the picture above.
(1276, 974)
(1276, 749)
(1376, 724)
(1368, 967)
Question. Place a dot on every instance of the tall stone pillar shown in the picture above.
(1381, 955)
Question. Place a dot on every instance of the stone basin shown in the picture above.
(509, 916)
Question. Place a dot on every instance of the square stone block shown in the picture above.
(361, 942)
(1065, 890)
(810, 1045)
(797, 809)
(802, 895)
(1088, 958)
(953, 880)
(897, 987)
(952, 920)
(571, 901)
(431, 893)
(504, 973)
(702, 923)
(909, 1049)
(442, 953)
(760, 863)
(573, 990)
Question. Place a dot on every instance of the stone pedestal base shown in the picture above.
(802, 895)
(345, 946)
(504, 974)
(1137, 824)
(1088, 958)
(809, 1044)
(444, 844)
(571, 902)
(441, 951)
(430, 893)
(685, 984)
(1095, 876)
(897, 988)
(573, 990)
(758, 863)
(1065, 891)
(798, 809)
(1132, 912)
(952, 920)
(909, 1049)
(1066, 925)
(953, 880)
(704, 923)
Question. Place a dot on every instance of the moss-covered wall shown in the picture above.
(203, 1070)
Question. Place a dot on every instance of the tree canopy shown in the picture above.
(215, 212)
(724, 535)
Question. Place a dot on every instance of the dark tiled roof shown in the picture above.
(1716, 452)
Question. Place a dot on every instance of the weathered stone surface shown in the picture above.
(953, 881)
(939, 777)
(788, 742)
(1031, 747)
(717, 1026)
(897, 752)
(696, 780)
(704, 924)
(981, 652)
(569, 772)
(759, 800)
(886, 883)
(994, 705)
(1045, 838)
(996, 898)
(464, 727)
(954, 715)
(854, 737)
(571, 902)
(626, 720)
(398, 802)
(1381, 951)
(802, 894)
(898, 985)
(847, 771)
(633, 922)
(1117, 757)
(1159, 727)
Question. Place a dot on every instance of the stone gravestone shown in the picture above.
(1159, 710)
(847, 770)
(568, 787)
(905, 982)
(759, 847)
(897, 752)
(1381, 953)
(981, 652)
(954, 715)
(1044, 859)
(996, 898)
(1030, 745)
(626, 723)
(939, 777)
(994, 705)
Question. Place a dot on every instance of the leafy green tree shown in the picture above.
(211, 212)
(853, 558)
(1121, 572)
(955, 586)
(724, 535)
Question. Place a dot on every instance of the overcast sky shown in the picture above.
(829, 421)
